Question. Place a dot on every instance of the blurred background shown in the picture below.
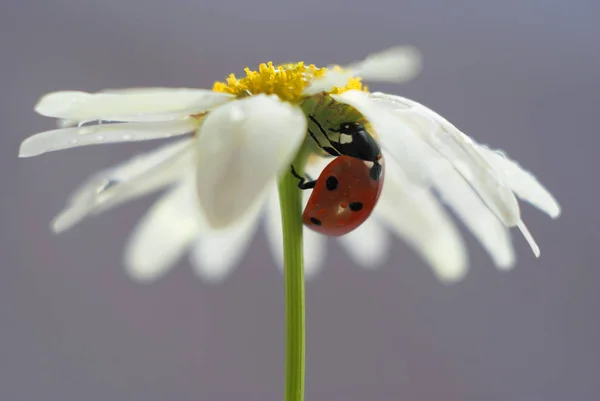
(523, 76)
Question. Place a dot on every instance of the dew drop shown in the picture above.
(109, 183)
(501, 154)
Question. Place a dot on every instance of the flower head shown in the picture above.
(287, 81)
(242, 135)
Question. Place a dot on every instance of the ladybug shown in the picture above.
(350, 139)
(343, 196)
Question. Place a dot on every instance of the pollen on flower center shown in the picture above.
(286, 81)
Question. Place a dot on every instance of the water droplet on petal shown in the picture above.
(501, 154)
(109, 183)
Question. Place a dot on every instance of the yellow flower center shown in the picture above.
(287, 81)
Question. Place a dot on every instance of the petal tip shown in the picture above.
(529, 238)
(505, 265)
(139, 274)
(451, 280)
(138, 267)
(59, 225)
(397, 64)
(26, 150)
(210, 276)
(451, 274)
(54, 104)
(66, 219)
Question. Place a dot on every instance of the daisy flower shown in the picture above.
(238, 138)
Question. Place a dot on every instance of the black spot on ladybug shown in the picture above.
(375, 172)
(331, 183)
(316, 221)
(356, 206)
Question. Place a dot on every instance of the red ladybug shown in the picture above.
(344, 195)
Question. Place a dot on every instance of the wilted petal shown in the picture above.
(241, 147)
(492, 176)
(139, 176)
(425, 166)
(529, 238)
(137, 104)
(414, 213)
(164, 234)
(217, 252)
(398, 64)
(525, 185)
(460, 150)
(314, 243)
(103, 133)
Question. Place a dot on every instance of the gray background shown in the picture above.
(520, 75)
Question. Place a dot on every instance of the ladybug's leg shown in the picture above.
(303, 184)
(329, 149)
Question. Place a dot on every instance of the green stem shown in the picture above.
(290, 199)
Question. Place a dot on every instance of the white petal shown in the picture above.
(368, 245)
(241, 147)
(415, 214)
(138, 104)
(493, 176)
(529, 238)
(522, 182)
(67, 138)
(136, 177)
(164, 234)
(314, 243)
(398, 64)
(460, 150)
(315, 249)
(217, 252)
(423, 165)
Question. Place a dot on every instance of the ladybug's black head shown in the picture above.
(355, 141)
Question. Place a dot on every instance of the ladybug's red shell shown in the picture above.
(344, 196)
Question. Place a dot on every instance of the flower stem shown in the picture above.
(290, 199)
